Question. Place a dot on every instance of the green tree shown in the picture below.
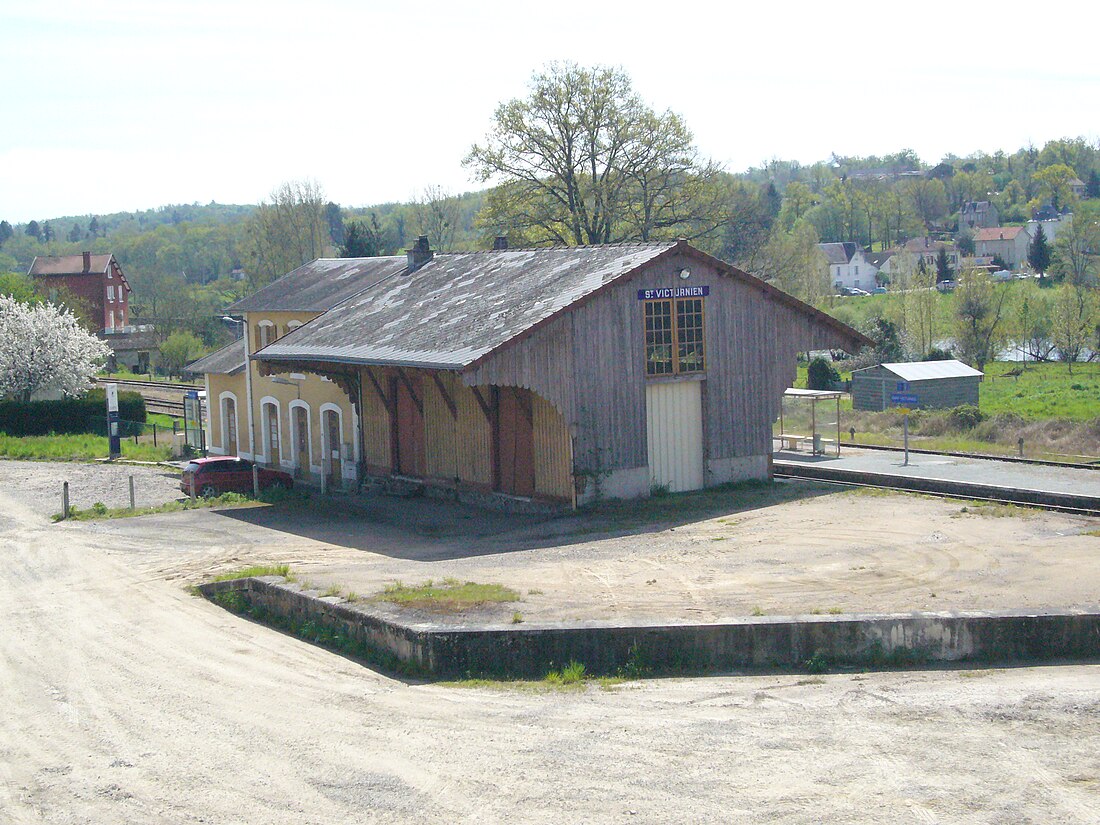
(285, 232)
(5, 232)
(93, 227)
(582, 159)
(47, 232)
(1076, 255)
(1073, 320)
(334, 217)
(1092, 186)
(362, 239)
(178, 350)
(1038, 253)
(980, 330)
(34, 230)
(1052, 184)
(75, 233)
(821, 375)
(437, 213)
(944, 272)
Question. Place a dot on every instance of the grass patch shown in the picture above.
(994, 509)
(75, 448)
(99, 510)
(448, 596)
(255, 572)
(571, 678)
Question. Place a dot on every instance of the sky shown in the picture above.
(120, 105)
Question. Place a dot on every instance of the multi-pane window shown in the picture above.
(674, 336)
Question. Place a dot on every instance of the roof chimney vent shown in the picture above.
(420, 254)
(500, 242)
(87, 262)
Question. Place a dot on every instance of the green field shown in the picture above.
(76, 448)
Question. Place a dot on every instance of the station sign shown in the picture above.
(905, 399)
(673, 292)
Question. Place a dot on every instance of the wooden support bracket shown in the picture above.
(412, 392)
(446, 395)
(378, 388)
(481, 402)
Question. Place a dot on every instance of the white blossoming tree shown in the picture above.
(43, 347)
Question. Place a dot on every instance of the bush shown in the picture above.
(70, 416)
(821, 375)
(965, 417)
(937, 354)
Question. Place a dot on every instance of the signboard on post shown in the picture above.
(905, 399)
(192, 421)
(114, 437)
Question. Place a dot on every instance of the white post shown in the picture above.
(251, 411)
(132, 493)
(905, 430)
(65, 500)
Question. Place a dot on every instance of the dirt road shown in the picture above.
(125, 700)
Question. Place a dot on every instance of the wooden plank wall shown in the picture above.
(597, 351)
(376, 423)
(553, 451)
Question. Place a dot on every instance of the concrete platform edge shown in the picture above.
(792, 643)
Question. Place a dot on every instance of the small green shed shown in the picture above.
(935, 385)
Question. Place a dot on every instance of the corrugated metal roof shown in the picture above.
(228, 360)
(68, 264)
(321, 284)
(459, 306)
(924, 370)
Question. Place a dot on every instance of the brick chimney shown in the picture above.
(87, 262)
(500, 242)
(420, 253)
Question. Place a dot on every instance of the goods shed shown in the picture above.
(562, 373)
(934, 384)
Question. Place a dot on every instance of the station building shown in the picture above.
(557, 374)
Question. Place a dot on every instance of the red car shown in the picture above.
(229, 474)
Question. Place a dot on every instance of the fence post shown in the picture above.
(1020, 446)
(132, 492)
(154, 433)
(65, 500)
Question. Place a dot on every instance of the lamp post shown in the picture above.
(248, 400)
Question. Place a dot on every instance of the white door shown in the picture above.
(674, 430)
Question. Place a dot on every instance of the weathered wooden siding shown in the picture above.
(542, 362)
(376, 423)
(441, 442)
(475, 446)
(597, 352)
(553, 451)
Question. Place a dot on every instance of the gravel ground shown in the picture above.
(126, 700)
(38, 484)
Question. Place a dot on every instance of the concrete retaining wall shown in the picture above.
(757, 642)
(962, 489)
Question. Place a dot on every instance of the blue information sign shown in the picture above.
(904, 399)
(673, 292)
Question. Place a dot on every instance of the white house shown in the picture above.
(849, 267)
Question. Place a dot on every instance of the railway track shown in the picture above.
(138, 385)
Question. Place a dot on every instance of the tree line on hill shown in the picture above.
(582, 158)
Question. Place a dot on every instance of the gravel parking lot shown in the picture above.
(127, 700)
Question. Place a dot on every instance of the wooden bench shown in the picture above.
(792, 442)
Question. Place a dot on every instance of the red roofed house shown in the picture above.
(97, 280)
(1009, 243)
